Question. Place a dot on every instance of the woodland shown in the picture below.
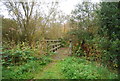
(89, 40)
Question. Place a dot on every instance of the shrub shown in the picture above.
(19, 62)
(17, 55)
(21, 72)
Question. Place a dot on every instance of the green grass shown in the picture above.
(25, 71)
(21, 72)
(69, 68)
(52, 71)
(79, 68)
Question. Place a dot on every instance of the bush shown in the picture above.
(21, 72)
(17, 55)
(26, 70)
(20, 62)
(109, 50)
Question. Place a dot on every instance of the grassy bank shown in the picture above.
(79, 68)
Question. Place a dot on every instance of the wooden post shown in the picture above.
(47, 46)
(70, 47)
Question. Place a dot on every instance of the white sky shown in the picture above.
(68, 5)
(65, 5)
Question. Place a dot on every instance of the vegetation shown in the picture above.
(98, 29)
(75, 68)
(93, 29)
(20, 62)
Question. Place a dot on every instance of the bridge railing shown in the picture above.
(52, 45)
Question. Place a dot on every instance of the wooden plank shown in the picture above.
(50, 41)
(55, 48)
(54, 44)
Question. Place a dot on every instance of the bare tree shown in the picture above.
(22, 13)
(33, 18)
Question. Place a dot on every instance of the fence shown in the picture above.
(52, 45)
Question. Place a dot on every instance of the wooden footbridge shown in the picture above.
(54, 45)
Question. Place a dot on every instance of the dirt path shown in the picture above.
(53, 70)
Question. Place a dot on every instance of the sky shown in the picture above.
(65, 5)
(68, 5)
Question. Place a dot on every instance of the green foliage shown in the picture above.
(101, 33)
(111, 53)
(109, 18)
(79, 68)
(51, 72)
(105, 50)
(85, 18)
(77, 36)
(17, 55)
(21, 72)
(110, 23)
(80, 34)
(44, 60)
(26, 70)
(20, 62)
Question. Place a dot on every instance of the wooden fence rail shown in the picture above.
(52, 45)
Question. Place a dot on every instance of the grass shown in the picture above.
(21, 72)
(75, 68)
(25, 71)
(52, 71)
(79, 68)
(69, 68)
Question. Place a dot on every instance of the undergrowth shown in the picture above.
(25, 71)
(79, 68)
(20, 62)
